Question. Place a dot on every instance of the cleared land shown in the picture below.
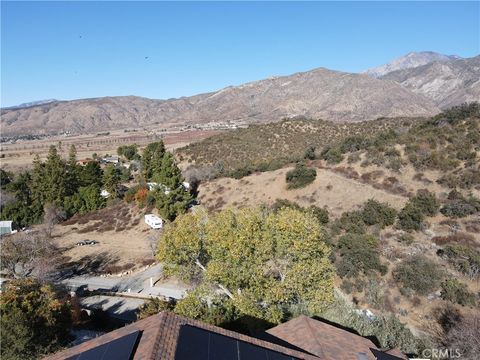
(125, 241)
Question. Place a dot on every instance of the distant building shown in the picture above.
(6, 227)
(111, 159)
(153, 186)
(153, 221)
(84, 162)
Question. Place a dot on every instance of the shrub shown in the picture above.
(458, 209)
(332, 155)
(464, 258)
(300, 177)
(359, 253)
(413, 214)
(410, 218)
(376, 213)
(309, 153)
(457, 292)
(426, 202)
(418, 274)
(154, 306)
(320, 213)
(350, 222)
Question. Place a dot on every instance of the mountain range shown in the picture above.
(418, 84)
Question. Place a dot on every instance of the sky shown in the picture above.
(70, 50)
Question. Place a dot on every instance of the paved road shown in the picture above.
(138, 282)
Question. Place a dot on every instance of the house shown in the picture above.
(6, 227)
(111, 159)
(84, 162)
(168, 336)
(153, 186)
(153, 221)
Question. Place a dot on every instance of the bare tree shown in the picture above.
(465, 336)
(27, 254)
(52, 216)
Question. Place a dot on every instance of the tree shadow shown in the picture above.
(87, 265)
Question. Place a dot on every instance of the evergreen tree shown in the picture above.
(169, 174)
(111, 179)
(152, 159)
(73, 171)
(91, 174)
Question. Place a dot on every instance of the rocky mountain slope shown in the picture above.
(411, 60)
(447, 83)
(319, 93)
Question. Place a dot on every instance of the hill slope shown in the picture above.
(319, 93)
(447, 83)
(411, 60)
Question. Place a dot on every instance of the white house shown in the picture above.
(153, 186)
(153, 221)
(6, 227)
(111, 159)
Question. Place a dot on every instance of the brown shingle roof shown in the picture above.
(160, 335)
(323, 340)
(159, 339)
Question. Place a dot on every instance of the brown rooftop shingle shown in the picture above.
(323, 340)
(159, 339)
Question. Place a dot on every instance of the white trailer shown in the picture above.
(153, 221)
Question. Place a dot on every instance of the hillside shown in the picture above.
(270, 146)
(447, 83)
(319, 93)
(411, 60)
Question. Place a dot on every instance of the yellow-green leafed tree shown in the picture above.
(266, 263)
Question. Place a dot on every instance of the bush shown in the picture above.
(457, 292)
(410, 218)
(332, 155)
(376, 213)
(418, 274)
(154, 306)
(320, 213)
(426, 202)
(464, 258)
(359, 253)
(413, 214)
(350, 222)
(458, 206)
(300, 177)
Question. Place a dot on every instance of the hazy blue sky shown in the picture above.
(67, 50)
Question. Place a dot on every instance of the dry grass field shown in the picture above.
(19, 156)
(330, 189)
(125, 241)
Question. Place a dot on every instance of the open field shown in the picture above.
(19, 155)
(125, 241)
(329, 189)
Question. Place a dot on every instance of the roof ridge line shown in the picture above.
(307, 320)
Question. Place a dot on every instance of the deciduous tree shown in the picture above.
(264, 262)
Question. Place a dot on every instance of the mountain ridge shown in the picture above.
(318, 93)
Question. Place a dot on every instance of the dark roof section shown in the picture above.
(161, 334)
(119, 349)
(200, 344)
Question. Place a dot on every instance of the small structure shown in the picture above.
(153, 186)
(105, 194)
(6, 227)
(186, 185)
(153, 221)
(111, 159)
